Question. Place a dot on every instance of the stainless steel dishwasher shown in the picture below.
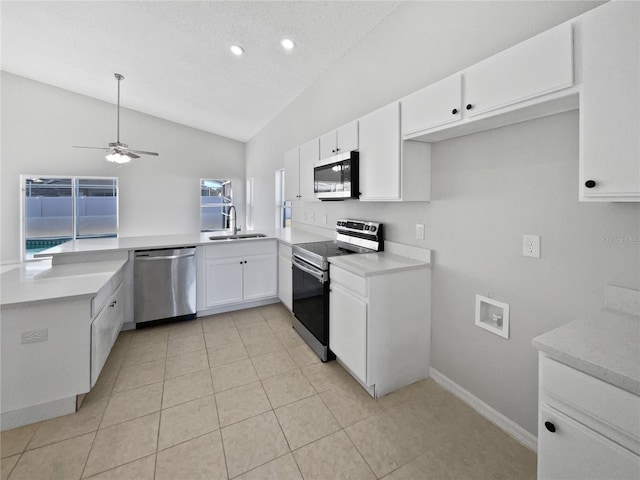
(164, 286)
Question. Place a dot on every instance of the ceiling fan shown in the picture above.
(120, 152)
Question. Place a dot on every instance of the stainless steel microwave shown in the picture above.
(336, 178)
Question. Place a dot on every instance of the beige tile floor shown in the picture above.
(239, 395)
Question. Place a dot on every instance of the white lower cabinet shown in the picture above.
(348, 330)
(104, 331)
(285, 276)
(236, 274)
(587, 428)
(380, 326)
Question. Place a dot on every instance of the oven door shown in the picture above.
(311, 298)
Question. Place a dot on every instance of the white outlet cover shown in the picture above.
(420, 231)
(531, 246)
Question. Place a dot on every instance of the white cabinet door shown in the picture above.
(292, 174)
(575, 452)
(285, 281)
(435, 105)
(610, 102)
(380, 154)
(260, 277)
(223, 281)
(538, 66)
(104, 331)
(309, 156)
(348, 330)
(347, 137)
(328, 143)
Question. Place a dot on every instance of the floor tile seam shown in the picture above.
(201, 334)
(141, 363)
(170, 355)
(102, 427)
(247, 418)
(15, 464)
(362, 454)
(263, 464)
(155, 464)
(33, 435)
(95, 430)
(119, 466)
(93, 440)
(200, 435)
(219, 429)
(340, 423)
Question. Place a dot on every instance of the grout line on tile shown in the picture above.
(224, 452)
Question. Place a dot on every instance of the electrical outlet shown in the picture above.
(35, 336)
(324, 219)
(531, 246)
(419, 231)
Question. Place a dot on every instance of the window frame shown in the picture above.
(282, 204)
(74, 186)
(230, 204)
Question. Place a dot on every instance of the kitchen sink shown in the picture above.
(239, 236)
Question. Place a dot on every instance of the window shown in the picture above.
(215, 203)
(249, 205)
(57, 209)
(283, 207)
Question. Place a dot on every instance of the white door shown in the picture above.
(575, 452)
(348, 330)
(380, 154)
(104, 330)
(292, 174)
(285, 281)
(328, 144)
(223, 281)
(540, 65)
(260, 276)
(347, 137)
(435, 105)
(309, 156)
(610, 102)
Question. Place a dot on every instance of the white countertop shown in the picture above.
(93, 245)
(606, 346)
(39, 281)
(368, 264)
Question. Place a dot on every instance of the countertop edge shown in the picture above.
(601, 373)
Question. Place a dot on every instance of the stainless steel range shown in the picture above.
(311, 278)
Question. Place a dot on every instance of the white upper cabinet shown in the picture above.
(538, 66)
(609, 104)
(344, 139)
(380, 154)
(309, 156)
(391, 170)
(292, 174)
(432, 106)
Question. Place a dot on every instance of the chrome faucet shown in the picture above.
(233, 221)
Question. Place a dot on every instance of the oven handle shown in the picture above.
(317, 274)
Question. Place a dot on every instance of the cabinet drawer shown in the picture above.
(104, 294)
(241, 249)
(604, 402)
(349, 281)
(575, 452)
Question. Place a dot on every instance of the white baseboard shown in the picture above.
(516, 431)
(237, 306)
(37, 413)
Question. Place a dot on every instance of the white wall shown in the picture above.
(488, 190)
(40, 123)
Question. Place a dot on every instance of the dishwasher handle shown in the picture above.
(167, 257)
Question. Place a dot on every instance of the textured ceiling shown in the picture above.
(175, 54)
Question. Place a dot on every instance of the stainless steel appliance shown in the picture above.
(337, 177)
(164, 286)
(311, 278)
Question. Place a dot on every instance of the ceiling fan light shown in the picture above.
(287, 44)
(237, 50)
(117, 158)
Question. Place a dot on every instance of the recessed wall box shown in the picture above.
(492, 315)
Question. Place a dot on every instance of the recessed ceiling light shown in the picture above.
(287, 44)
(236, 50)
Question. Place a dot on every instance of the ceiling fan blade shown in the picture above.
(95, 148)
(130, 154)
(142, 152)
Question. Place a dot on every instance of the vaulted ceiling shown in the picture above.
(175, 54)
